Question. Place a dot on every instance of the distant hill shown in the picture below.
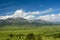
(22, 21)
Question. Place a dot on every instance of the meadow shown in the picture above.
(44, 32)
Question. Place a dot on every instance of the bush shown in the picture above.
(39, 37)
(8, 38)
(57, 35)
(11, 35)
(30, 36)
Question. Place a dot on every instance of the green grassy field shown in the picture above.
(46, 32)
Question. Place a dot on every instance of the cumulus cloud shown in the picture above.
(5, 17)
(52, 17)
(20, 13)
(32, 15)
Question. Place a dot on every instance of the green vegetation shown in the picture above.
(30, 32)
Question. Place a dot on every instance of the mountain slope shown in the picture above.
(22, 21)
(11, 21)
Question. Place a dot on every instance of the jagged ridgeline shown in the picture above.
(22, 21)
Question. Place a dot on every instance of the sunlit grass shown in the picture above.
(43, 30)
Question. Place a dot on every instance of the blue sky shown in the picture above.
(36, 8)
(9, 6)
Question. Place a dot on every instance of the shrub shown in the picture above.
(11, 35)
(39, 37)
(8, 38)
(57, 35)
(30, 36)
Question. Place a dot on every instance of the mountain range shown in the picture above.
(22, 21)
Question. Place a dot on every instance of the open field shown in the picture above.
(46, 32)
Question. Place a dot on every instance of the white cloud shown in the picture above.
(42, 12)
(19, 13)
(5, 17)
(32, 15)
(52, 17)
(47, 11)
(36, 12)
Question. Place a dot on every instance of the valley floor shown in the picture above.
(46, 32)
